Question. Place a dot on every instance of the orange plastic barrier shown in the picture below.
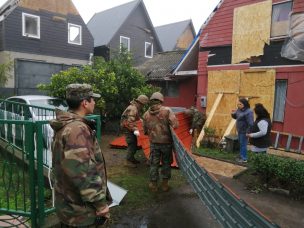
(182, 132)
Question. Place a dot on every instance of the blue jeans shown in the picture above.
(243, 140)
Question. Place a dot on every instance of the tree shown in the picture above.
(4, 69)
(116, 80)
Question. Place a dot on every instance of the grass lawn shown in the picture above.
(218, 154)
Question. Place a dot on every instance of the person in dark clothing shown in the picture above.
(259, 137)
(244, 121)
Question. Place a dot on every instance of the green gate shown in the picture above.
(18, 178)
(26, 197)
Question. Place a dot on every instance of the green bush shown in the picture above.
(284, 172)
(116, 80)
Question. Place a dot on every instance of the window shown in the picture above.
(30, 25)
(280, 98)
(169, 88)
(75, 36)
(148, 50)
(125, 43)
(280, 18)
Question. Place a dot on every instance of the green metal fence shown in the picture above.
(226, 208)
(26, 197)
(18, 177)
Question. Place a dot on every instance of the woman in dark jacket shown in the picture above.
(244, 121)
(260, 133)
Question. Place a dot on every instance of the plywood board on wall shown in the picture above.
(58, 6)
(257, 86)
(227, 82)
(251, 30)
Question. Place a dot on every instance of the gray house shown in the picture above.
(127, 26)
(41, 38)
(176, 36)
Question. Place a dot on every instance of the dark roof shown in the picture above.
(169, 34)
(161, 65)
(105, 24)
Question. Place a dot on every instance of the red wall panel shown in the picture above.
(219, 28)
(187, 94)
(298, 6)
(202, 79)
(294, 106)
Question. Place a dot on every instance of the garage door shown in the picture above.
(30, 73)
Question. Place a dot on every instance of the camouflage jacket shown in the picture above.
(79, 170)
(157, 122)
(129, 117)
(198, 120)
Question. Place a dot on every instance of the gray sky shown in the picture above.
(161, 12)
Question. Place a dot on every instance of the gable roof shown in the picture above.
(58, 6)
(168, 34)
(191, 55)
(105, 24)
(161, 65)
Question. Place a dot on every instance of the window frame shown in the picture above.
(80, 34)
(148, 56)
(279, 36)
(120, 43)
(277, 105)
(24, 33)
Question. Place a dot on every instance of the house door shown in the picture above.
(28, 74)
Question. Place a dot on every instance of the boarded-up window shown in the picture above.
(280, 21)
(251, 30)
(280, 99)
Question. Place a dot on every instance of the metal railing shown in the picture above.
(25, 161)
(227, 209)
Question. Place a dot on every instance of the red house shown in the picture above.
(253, 36)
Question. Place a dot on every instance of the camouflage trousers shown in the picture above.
(160, 153)
(132, 144)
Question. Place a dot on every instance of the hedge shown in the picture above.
(285, 172)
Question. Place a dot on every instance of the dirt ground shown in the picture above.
(280, 209)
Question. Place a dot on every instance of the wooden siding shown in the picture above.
(294, 107)
(298, 6)
(53, 35)
(1, 36)
(139, 30)
(187, 92)
(219, 28)
(202, 79)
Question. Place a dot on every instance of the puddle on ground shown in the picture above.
(135, 221)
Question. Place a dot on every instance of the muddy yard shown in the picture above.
(180, 207)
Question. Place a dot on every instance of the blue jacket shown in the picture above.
(244, 120)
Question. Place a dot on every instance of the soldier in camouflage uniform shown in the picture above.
(78, 163)
(129, 126)
(197, 121)
(157, 122)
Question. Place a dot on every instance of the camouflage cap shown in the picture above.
(80, 91)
